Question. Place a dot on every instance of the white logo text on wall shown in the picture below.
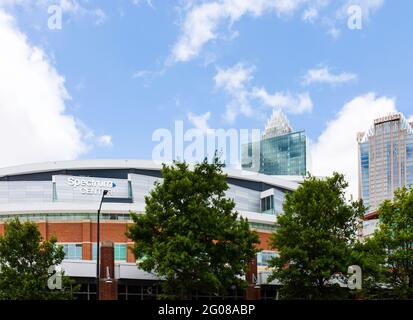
(90, 186)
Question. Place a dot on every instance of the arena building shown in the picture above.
(63, 199)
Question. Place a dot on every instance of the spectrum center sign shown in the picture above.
(91, 186)
(78, 188)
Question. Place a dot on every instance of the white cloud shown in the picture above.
(336, 148)
(310, 15)
(90, 138)
(324, 75)
(201, 22)
(147, 76)
(75, 8)
(410, 119)
(341, 16)
(200, 121)
(141, 74)
(236, 82)
(368, 7)
(148, 2)
(100, 15)
(290, 103)
(35, 124)
(204, 21)
(313, 10)
(72, 7)
(105, 141)
(334, 32)
(233, 79)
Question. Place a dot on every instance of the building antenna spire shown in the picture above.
(277, 124)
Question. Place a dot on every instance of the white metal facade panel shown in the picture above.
(26, 191)
(141, 186)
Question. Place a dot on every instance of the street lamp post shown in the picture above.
(105, 192)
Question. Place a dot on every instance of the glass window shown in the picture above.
(264, 257)
(119, 251)
(280, 155)
(262, 226)
(94, 246)
(267, 204)
(73, 251)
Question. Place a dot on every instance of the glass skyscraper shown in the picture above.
(385, 159)
(280, 151)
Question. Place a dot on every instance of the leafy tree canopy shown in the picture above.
(315, 237)
(24, 264)
(394, 237)
(190, 234)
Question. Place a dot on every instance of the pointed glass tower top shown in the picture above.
(277, 125)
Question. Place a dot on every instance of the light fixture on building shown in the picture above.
(257, 281)
(108, 279)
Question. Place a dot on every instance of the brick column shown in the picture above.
(108, 289)
(130, 257)
(86, 240)
(43, 229)
(252, 293)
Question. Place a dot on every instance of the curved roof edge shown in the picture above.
(290, 183)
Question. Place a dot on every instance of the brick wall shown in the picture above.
(85, 232)
(264, 241)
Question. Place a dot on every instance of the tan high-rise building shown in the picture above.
(385, 159)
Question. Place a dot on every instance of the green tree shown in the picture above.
(370, 257)
(315, 237)
(190, 234)
(395, 239)
(24, 264)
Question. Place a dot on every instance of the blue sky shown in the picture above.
(131, 67)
